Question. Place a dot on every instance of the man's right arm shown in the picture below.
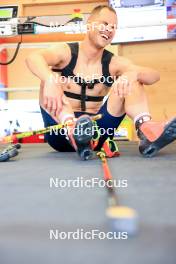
(39, 63)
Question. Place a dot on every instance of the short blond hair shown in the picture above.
(98, 9)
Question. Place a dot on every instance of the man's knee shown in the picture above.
(137, 86)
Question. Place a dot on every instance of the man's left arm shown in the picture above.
(125, 68)
(144, 75)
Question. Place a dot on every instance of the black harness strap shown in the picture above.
(83, 97)
(88, 98)
(106, 59)
(68, 72)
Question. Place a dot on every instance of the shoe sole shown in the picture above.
(86, 153)
(83, 139)
(167, 137)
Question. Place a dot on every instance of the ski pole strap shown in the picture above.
(110, 148)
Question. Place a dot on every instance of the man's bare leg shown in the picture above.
(153, 135)
(79, 139)
(67, 112)
(133, 105)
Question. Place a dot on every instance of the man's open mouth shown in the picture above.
(104, 36)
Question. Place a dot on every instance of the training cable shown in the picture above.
(39, 24)
(15, 54)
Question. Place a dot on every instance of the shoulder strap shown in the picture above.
(106, 59)
(74, 47)
(68, 70)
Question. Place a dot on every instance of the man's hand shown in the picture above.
(52, 97)
(123, 85)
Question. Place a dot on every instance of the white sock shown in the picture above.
(145, 116)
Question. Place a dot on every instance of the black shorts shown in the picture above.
(107, 125)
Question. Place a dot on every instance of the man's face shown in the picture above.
(102, 27)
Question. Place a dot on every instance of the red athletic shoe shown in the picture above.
(155, 136)
(80, 135)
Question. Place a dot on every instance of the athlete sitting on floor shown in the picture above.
(91, 72)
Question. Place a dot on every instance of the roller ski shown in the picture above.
(10, 152)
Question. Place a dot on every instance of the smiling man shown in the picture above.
(81, 95)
